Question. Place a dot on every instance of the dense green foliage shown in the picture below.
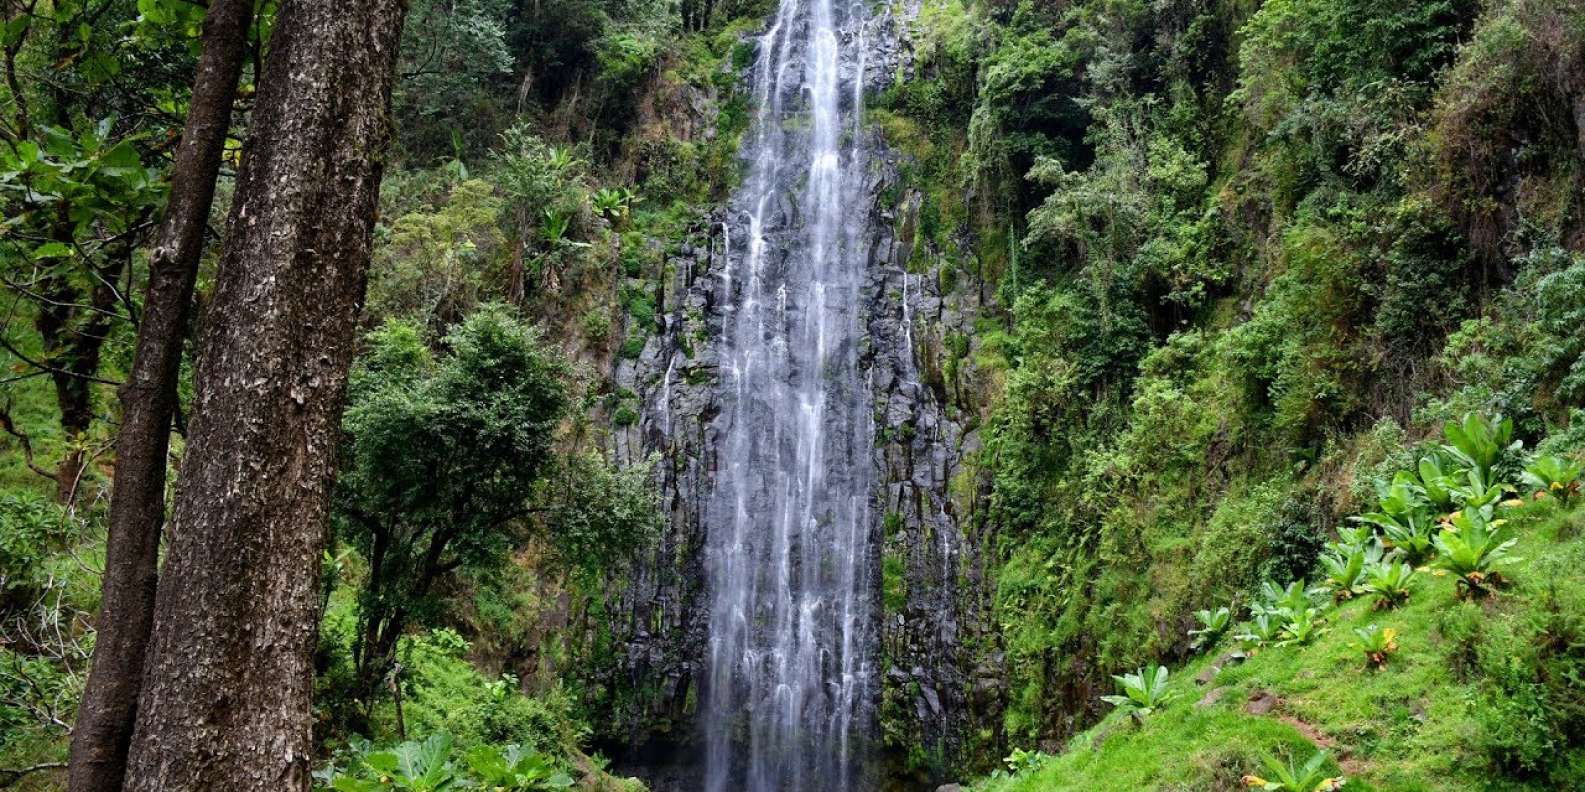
(1250, 255)
(1441, 693)
(477, 484)
(1240, 263)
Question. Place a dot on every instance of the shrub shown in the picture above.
(1288, 777)
(1480, 444)
(1212, 625)
(1143, 691)
(1346, 566)
(1472, 547)
(1377, 643)
(1262, 629)
(1390, 582)
(596, 324)
(431, 765)
(1554, 476)
(1301, 627)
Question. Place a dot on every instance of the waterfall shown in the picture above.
(790, 549)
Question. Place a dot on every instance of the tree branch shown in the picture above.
(18, 773)
(10, 428)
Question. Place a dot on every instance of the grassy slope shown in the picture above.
(1407, 728)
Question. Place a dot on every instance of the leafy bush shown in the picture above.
(1288, 777)
(1346, 565)
(1480, 444)
(1390, 582)
(1300, 627)
(1262, 629)
(1376, 642)
(1282, 600)
(31, 522)
(1472, 548)
(1554, 476)
(1212, 625)
(1405, 517)
(443, 693)
(1143, 692)
(431, 765)
(441, 457)
(1531, 707)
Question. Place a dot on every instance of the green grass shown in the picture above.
(1414, 725)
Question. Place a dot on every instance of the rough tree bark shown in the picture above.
(225, 702)
(148, 400)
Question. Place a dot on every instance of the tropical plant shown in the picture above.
(1403, 496)
(1412, 540)
(1437, 480)
(564, 160)
(1300, 626)
(1287, 777)
(1472, 547)
(1262, 629)
(1405, 515)
(1022, 761)
(1389, 581)
(414, 766)
(1376, 642)
(515, 769)
(1360, 535)
(1212, 625)
(1553, 476)
(1478, 493)
(614, 202)
(1479, 443)
(553, 228)
(1345, 566)
(1143, 691)
(430, 766)
(1279, 600)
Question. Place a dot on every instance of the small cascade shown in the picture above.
(664, 406)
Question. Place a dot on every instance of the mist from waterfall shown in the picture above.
(788, 695)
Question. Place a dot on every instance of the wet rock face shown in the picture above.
(943, 678)
(935, 653)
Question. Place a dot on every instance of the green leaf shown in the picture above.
(52, 250)
(123, 160)
(12, 31)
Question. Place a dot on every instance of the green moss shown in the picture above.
(894, 584)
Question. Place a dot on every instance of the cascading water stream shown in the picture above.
(791, 545)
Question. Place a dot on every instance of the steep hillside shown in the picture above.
(1260, 254)
(1473, 694)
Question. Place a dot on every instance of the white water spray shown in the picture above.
(788, 693)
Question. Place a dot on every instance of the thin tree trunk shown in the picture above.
(226, 696)
(148, 400)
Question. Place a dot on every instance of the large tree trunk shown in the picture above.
(148, 400)
(225, 703)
